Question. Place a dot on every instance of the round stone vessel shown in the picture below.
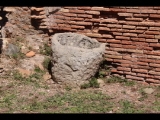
(75, 57)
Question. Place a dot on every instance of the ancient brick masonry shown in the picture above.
(132, 35)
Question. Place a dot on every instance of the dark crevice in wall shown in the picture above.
(2, 24)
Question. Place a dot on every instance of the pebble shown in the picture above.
(30, 54)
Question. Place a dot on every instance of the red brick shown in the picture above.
(140, 70)
(121, 22)
(59, 21)
(107, 36)
(157, 61)
(108, 21)
(125, 14)
(153, 57)
(130, 73)
(153, 72)
(138, 39)
(131, 23)
(84, 16)
(77, 27)
(93, 12)
(104, 28)
(146, 60)
(129, 26)
(117, 10)
(77, 19)
(140, 15)
(115, 45)
(125, 65)
(63, 25)
(157, 69)
(80, 23)
(157, 8)
(93, 35)
(148, 48)
(129, 46)
(154, 44)
(119, 49)
(133, 10)
(126, 42)
(103, 25)
(100, 9)
(142, 75)
(134, 78)
(67, 18)
(113, 29)
(152, 40)
(109, 59)
(70, 14)
(127, 57)
(140, 43)
(122, 61)
(68, 29)
(152, 52)
(139, 67)
(77, 11)
(123, 69)
(130, 34)
(157, 24)
(154, 28)
(154, 65)
(116, 33)
(121, 37)
(137, 31)
(142, 63)
(157, 36)
(114, 41)
(147, 23)
(134, 51)
(102, 40)
(154, 16)
(92, 20)
(59, 17)
(112, 52)
(122, 30)
(113, 70)
(146, 36)
(114, 56)
(148, 11)
(134, 19)
(84, 8)
(139, 55)
(114, 26)
(153, 80)
(141, 28)
(152, 32)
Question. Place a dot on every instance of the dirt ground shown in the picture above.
(16, 94)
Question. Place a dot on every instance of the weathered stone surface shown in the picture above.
(75, 57)
(11, 49)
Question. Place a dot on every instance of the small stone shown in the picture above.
(30, 54)
(101, 82)
(46, 76)
(11, 49)
(24, 50)
(148, 90)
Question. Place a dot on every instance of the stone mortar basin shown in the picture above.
(75, 57)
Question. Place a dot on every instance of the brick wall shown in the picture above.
(132, 35)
